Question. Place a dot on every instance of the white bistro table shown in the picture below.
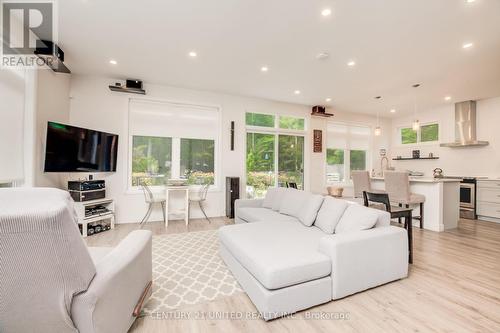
(185, 211)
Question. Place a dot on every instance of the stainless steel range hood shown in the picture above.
(465, 127)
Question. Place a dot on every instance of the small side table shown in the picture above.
(186, 202)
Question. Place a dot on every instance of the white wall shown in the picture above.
(52, 104)
(479, 161)
(12, 96)
(93, 105)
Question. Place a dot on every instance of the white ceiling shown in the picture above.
(395, 43)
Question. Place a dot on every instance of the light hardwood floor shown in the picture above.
(453, 286)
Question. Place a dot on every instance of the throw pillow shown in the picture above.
(357, 218)
(330, 214)
(270, 198)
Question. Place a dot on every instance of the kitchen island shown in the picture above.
(442, 200)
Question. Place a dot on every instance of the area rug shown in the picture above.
(187, 270)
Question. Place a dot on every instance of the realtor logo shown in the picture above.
(24, 26)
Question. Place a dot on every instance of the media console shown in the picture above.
(95, 216)
(95, 212)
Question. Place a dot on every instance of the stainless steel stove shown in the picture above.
(468, 190)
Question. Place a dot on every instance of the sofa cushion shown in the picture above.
(277, 254)
(330, 214)
(302, 205)
(254, 214)
(273, 198)
(357, 218)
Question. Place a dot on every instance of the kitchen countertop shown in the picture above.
(426, 180)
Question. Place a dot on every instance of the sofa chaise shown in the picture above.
(293, 250)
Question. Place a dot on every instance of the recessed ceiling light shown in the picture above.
(326, 12)
(322, 55)
(470, 1)
(351, 63)
(264, 69)
(113, 62)
(393, 111)
(328, 100)
(467, 45)
(297, 92)
(193, 54)
(447, 98)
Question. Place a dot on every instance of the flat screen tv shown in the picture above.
(75, 149)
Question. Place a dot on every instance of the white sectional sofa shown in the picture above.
(294, 250)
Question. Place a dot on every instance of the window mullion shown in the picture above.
(176, 158)
(276, 156)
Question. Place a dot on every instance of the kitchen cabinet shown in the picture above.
(488, 200)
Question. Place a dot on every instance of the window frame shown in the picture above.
(419, 135)
(347, 153)
(277, 131)
(176, 147)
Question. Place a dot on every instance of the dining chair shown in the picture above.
(381, 201)
(200, 196)
(152, 199)
(291, 185)
(397, 186)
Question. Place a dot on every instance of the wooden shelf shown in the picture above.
(412, 158)
(321, 114)
(127, 90)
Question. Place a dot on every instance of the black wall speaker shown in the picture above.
(232, 135)
(136, 84)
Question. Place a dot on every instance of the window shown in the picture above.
(260, 163)
(347, 150)
(408, 136)
(291, 160)
(274, 158)
(293, 123)
(170, 140)
(426, 133)
(429, 133)
(335, 165)
(259, 119)
(197, 161)
(151, 160)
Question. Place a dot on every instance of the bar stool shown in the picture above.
(375, 200)
(360, 182)
(397, 186)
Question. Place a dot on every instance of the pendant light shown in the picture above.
(416, 122)
(378, 130)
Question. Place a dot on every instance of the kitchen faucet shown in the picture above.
(384, 158)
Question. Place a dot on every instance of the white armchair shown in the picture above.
(51, 282)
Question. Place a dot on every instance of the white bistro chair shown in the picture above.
(199, 196)
(152, 199)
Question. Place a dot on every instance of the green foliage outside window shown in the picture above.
(408, 136)
(293, 123)
(259, 119)
(358, 159)
(197, 161)
(429, 133)
(426, 133)
(151, 160)
(334, 156)
(291, 160)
